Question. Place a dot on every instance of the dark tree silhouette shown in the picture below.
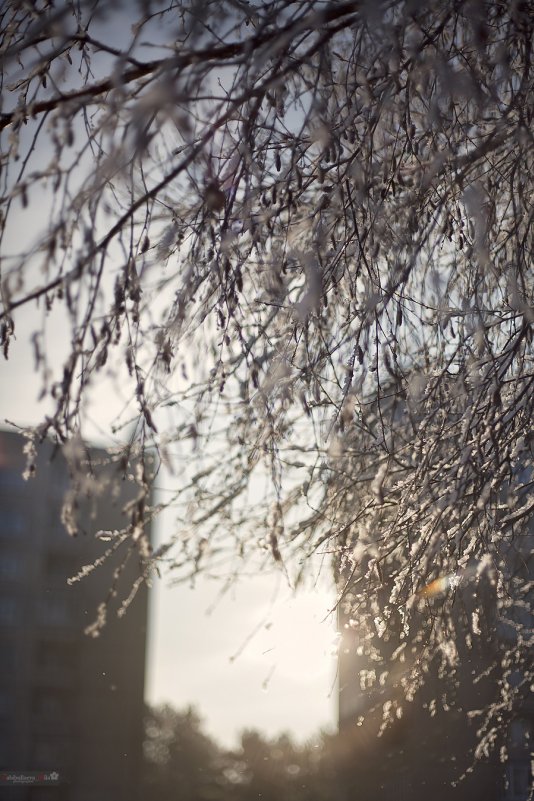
(181, 761)
(299, 236)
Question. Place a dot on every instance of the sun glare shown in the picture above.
(299, 638)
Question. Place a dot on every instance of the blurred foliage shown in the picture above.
(182, 762)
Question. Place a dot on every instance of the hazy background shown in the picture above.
(258, 656)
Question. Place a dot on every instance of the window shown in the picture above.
(518, 780)
(7, 704)
(51, 753)
(519, 735)
(8, 660)
(12, 524)
(10, 566)
(519, 769)
(52, 712)
(5, 749)
(9, 612)
(11, 480)
(59, 568)
(49, 705)
(56, 664)
(56, 655)
(54, 611)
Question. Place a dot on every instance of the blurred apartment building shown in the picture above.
(70, 704)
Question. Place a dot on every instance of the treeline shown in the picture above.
(183, 762)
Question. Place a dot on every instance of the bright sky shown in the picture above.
(257, 657)
(282, 677)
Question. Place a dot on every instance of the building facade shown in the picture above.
(70, 704)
